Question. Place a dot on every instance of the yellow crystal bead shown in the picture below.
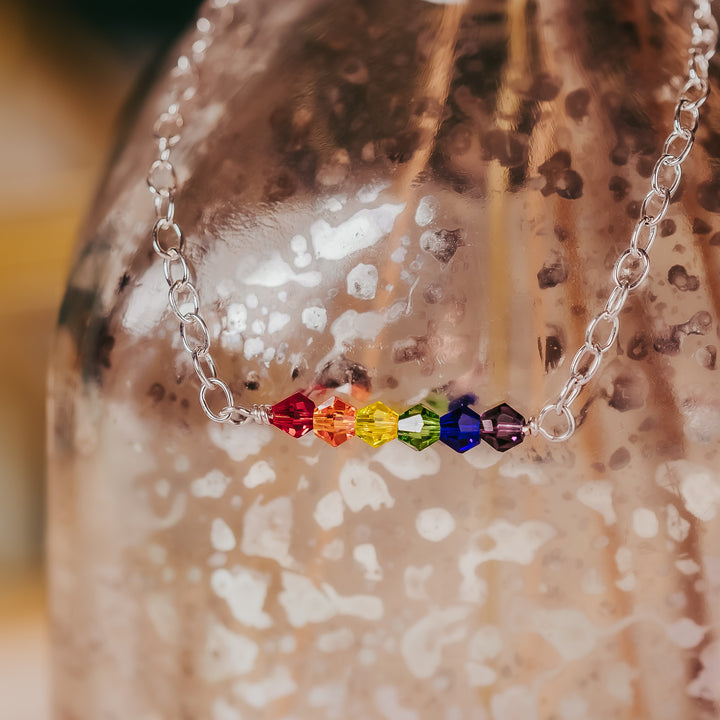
(376, 424)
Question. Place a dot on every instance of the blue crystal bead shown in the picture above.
(460, 429)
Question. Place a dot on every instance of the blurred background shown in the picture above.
(70, 74)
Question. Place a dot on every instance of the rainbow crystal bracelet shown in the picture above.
(336, 421)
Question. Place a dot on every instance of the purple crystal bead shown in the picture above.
(502, 427)
(460, 429)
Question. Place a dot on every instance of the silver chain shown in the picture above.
(633, 265)
(630, 270)
(168, 239)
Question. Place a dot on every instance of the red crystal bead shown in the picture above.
(294, 415)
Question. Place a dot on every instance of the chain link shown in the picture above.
(633, 265)
(168, 240)
(641, 227)
(631, 268)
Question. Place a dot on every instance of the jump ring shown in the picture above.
(551, 436)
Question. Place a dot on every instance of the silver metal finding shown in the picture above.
(539, 428)
(262, 414)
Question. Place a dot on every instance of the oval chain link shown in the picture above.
(168, 240)
(633, 264)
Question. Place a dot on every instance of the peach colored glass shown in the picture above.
(396, 200)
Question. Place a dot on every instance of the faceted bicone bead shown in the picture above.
(294, 415)
(419, 427)
(502, 427)
(376, 424)
(460, 428)
(334, 421)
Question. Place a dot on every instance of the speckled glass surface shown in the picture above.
(393, 200)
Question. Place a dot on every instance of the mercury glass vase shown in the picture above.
(406, 202)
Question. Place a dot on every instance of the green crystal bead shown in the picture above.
(419, 427)
(376, 424)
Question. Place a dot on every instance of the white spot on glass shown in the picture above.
(434, 524)
(259, 473)
(314, 318)
(222, 537)
(426, 210)
(362, 281)
(364, 229)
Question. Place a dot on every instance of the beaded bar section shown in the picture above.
(336, 421)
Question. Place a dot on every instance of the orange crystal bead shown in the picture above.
(334, 421)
